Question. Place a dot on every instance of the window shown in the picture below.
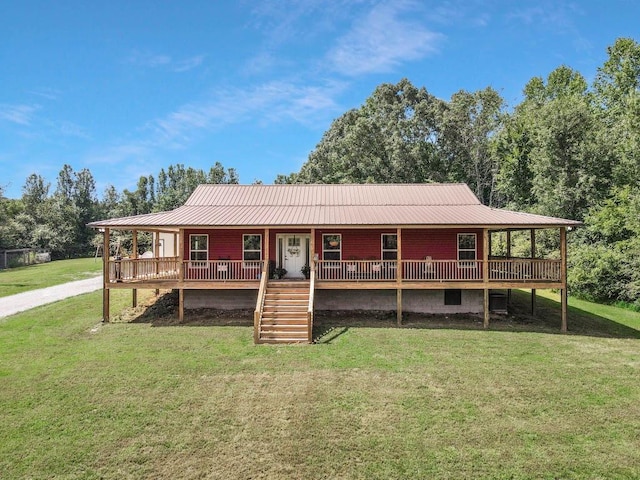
(251, 247)
(389, 246)
(453, 297)
(332, 246)
(198, 250)
(466, 249)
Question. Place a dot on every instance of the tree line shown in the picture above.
(570, 148)
(57, 220)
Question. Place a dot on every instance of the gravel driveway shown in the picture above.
(27, 300)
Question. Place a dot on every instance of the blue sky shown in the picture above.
(127, 87)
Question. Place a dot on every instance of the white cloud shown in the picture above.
(381, 41)
(20, 114)
(271, 102)
(151, 60)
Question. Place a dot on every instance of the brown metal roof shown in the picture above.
(334, 205)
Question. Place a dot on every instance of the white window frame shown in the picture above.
(198, 263)
(383, 250)
(467, 262)
(332, 250)
(244, 251)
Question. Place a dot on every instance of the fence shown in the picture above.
(20, 257)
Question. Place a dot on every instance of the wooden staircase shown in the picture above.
(284, 316)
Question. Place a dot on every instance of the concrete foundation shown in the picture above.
(415, 301)
(220, 299)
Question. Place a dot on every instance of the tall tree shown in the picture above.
(468, 123)
(392, 138)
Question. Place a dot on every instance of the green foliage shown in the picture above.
(392, 138)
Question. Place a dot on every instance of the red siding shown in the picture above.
(440, 244)
(223, 244)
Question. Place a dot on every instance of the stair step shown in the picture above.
(280, 334)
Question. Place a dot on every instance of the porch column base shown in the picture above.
(399, 307)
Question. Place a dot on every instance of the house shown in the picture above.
(289, 250)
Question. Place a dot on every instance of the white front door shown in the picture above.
(294, 253)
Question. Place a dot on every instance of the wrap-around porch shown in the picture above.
(394, 267)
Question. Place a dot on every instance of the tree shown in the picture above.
(468, 124)
(392, 138)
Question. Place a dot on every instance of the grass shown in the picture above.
(82, 400)
(23, 279)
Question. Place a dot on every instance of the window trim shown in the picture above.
(198, 263)
(332, 250)
(467, 262)
(383, 250)
(244, 251)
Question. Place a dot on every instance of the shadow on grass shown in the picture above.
(329, 325)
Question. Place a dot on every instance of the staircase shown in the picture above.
(284, 313)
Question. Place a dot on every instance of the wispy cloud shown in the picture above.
(47, 93)
(153, 60)
(267, 103)
(382, 40)
(19, 114)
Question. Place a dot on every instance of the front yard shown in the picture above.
(79, 399)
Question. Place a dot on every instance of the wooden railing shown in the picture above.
(500, 270)
(525, 269)
(257, 314)
(312, 290)
(543, 270)
(137, 269)
(442, 270)
(365, 270)
(223, 270)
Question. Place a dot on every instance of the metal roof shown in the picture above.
(334, 205)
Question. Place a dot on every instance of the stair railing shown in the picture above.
(312, 290)
(257, 314)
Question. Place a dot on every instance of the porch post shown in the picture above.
(399, 278)
(105, 276)
(312, 250)
(508, 258)
(134, 254)
(485, 274)
(266, 248)
(563, 277)
(532, 235)
(180, 255)
(156, 254)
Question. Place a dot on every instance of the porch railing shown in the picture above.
(131, 269)
(167, 268)
(365, 270)
(439, 270)
(500, 270)
(524, 269)
(223, 270)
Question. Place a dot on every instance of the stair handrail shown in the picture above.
(257, 314)
(312, 290)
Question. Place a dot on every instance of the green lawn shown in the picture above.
(141, 400)
(22, 279)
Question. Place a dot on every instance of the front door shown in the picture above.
(294, 251)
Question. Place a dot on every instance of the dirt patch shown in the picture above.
(163, 311)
